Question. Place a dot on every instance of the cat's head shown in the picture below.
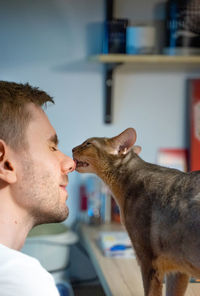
(96, 154)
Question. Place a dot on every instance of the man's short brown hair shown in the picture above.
(14, 114)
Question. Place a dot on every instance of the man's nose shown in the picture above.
(68, 165)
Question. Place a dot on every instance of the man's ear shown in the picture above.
(7, 170)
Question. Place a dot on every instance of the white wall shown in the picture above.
(46, 43)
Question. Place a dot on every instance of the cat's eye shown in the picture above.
(88, 144)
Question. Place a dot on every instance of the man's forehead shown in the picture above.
(41, 123)
(35, 110)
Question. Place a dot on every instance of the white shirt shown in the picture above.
(22, 275)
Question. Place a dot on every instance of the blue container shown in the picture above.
(65, 289)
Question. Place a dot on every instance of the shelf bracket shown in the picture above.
(108, 70)
(108, 84)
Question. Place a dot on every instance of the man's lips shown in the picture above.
(64, 187)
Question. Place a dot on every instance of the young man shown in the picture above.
(33, 180)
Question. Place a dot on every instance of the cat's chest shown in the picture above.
(137, 218)
(118, 194)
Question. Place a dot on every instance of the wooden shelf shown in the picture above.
(162, 60)
(118, 276)
(140, 63)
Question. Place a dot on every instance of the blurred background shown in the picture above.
(47, 43)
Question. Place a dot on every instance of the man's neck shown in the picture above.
(12, 234)
(14, 224)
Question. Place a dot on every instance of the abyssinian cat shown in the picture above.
(159, 206)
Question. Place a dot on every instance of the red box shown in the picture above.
(194, 102)
(175, 158)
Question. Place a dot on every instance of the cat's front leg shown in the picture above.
(176, 284)
(152, 280)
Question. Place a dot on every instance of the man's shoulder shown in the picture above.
(24, 273)
(9, 256)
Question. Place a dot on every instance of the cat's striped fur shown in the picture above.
(160, 208)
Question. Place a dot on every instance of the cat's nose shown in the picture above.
(74, 149)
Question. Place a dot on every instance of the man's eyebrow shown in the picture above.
(54, 139)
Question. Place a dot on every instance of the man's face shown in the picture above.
(42, 172)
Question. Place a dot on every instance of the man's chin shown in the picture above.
(62, 217)
(66, 215)
(54, 218)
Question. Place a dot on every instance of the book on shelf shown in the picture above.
(116, 244)
(114, 40)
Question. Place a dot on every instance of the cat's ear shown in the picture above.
(137, 149)
(124, 141)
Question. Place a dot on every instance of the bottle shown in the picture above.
(83, 204)
(94, 200)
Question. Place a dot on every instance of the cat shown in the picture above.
(159, 207)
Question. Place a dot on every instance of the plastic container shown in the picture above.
(50, 243)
